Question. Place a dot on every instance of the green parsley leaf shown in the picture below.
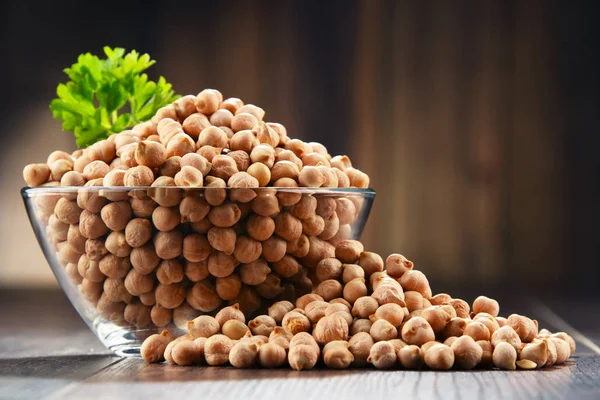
(106, 96)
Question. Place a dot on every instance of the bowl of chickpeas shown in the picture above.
(204, 206)
(135, 260)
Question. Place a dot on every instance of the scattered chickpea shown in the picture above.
(410, 357)
(439, 357)
(188, 352)
(355, 289)
(302, 356)
(383, 355)
(417, 331)
(360, 325)
(525, 327)
(486, 305)
(217, 349)
(330, 328)
(36, 174)
(508, 335)
(271, 355)
(279, 309)
(234, 329)
(296, 322)
(467, 353)
(153, 348)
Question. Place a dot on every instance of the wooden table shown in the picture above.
(46, 352)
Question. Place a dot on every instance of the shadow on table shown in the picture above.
(76, 367)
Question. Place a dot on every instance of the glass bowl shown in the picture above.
(136, 260)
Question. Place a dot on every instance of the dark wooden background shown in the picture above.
(477, 120)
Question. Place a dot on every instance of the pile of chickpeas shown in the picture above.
(361, 315)
(199, 208)
(196, 220)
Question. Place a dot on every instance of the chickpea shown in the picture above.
(231, 104)
(566, 338)
(348, 251)
(536, 351)
(337, 355)
(241, 159)
(193, 209)
(563, 351)
(440, 299)
(257, 112)
(284, 169)
(144, 259)
(364, 306)
(329, 289)
(73, 274)
(330, 328)
(414, 280)
(281, 337)
(370, 263)
(188, 352)
(203, 326)
(271, 355)
(436, 317)
(217, 349)
(194, 124)
(170, 167)
(439, 357)
(383, 330)
(196, 161)
(149, 153)
(142, 208)
(148, 299)
(202, 226)
(170, 296)
(278, 310)
(299, 248)
(467, 353)
(486, 305)
(74, 236)
(60, 167)
(285, 197)
(137, 315)
(287, 267)
(296, 322)
(262, 325)
(136, 283)
(196, 248)
(525, 327)
(90, 290)
(382, 355)
(164, 192)
(169, 271)
(410, 357)
(417, 331)
(261, 173)
(243, 354)
(243, 122)
(462, 307)
(477, 331)
(225, 215)
(288, 227)
(274, 249)
(391, 312)
(95, 249)
(234, 329)
(160, 315)
(203, 296)
(265, 203)
(72, 178)
(189, 177)
(355, 289)
(254, 273)
(36, 174)
(116, 215)
(195, 271)
(221, 117)
(140, 175)
(207, 101)
(115, 290)
(357, 178)
(90, 269)
(504, 356)
(67, 211)
(263, 154)
(153, 348)
(228, 288)
(138, 232)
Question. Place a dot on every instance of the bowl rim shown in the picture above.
(50, 190)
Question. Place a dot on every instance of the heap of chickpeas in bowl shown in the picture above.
(177, 232)
(204, 206)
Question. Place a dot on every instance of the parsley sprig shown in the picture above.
(106, 96)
